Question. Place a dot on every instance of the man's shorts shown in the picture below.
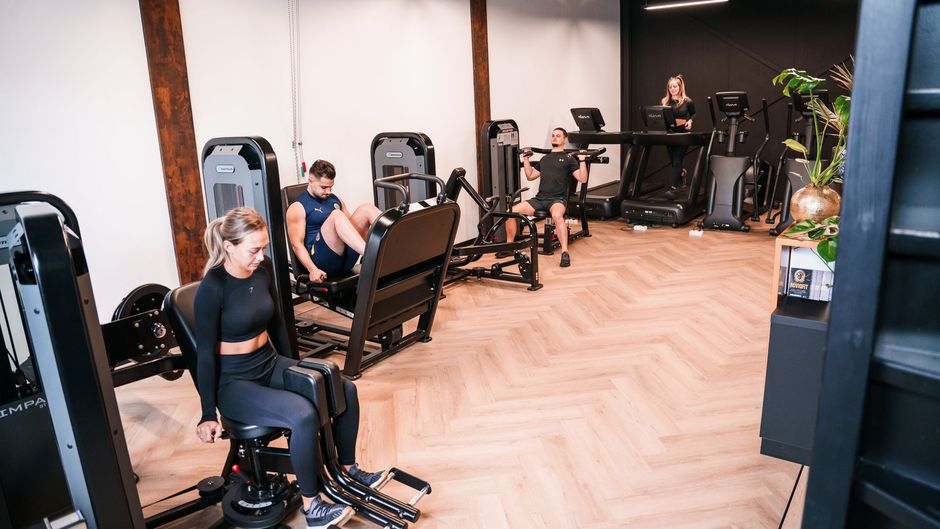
(329, 261)
(545, 204)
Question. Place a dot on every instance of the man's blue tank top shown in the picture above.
(317, 212)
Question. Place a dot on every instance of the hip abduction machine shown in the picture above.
(54, 292)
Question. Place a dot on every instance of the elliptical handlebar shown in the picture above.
(711, 110)
(766, 114)
(766, 133)
(789, 120)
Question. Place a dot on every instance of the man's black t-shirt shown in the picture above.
(555, 169)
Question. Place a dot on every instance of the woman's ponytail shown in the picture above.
(233, 227)
(213, 239)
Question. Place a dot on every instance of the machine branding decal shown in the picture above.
(7, 411)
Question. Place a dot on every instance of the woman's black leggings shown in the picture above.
(264, 401)
(676, 154)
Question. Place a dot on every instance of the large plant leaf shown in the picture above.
(796, 146)
(843, 75)
(802, 226)
(842, 105)
(827, 250)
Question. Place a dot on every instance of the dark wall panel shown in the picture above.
(740, 45)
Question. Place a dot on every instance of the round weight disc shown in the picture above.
(141, 299)
(250, 514)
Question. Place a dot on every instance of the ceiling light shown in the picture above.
(688, 3)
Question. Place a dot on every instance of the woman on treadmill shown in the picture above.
(684, 110)
(240, 342)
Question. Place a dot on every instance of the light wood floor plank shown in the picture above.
(626, 393)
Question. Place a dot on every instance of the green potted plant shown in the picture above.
(817, 201)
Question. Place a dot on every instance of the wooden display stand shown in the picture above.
(782, 244)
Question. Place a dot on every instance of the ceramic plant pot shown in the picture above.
(814, 203)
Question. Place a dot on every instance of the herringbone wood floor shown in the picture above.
(626, 393)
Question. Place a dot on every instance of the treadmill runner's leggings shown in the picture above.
(676, 154)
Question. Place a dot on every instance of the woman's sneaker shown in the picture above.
(369, 479)
(323, 514)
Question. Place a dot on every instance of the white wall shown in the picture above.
(76, 120)
(238, 63)
(366, 67)
(549, 57)
(76, 115)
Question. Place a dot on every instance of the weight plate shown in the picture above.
(141, 299)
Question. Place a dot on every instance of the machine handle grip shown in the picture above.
(789, 120)
(711, 110)
(763, 103)
(406, 198)
(18, 197)
(386, 182)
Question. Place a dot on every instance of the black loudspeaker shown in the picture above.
(794, 373)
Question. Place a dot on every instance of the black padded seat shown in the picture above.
(237, 430)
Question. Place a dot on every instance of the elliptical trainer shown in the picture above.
(791, 175)
(734, 178)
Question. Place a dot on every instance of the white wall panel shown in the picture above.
(76, 120)
(366, 67)
(549, 57)
(383, 66)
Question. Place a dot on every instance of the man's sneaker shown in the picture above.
(505, 253)
(671, 193)
(369, 479)
(565, 259)
(323, 515)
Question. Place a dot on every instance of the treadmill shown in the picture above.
(652, 206)
(602, 201)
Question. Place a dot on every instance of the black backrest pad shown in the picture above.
(404, 261)
(289, 195)
(179, 306)
(414, 238)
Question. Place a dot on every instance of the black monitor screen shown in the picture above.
(658, 118)
(588, 119)
(800, 100)
(732, 103)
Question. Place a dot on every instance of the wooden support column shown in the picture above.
(481, 77)
(166, 60)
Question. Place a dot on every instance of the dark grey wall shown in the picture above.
(740, 45)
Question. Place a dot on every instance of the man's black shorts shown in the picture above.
(545, 204)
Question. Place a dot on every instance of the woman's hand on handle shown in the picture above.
(209, 431)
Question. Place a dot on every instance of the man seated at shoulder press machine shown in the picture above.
(324, 235)
(554, 168)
